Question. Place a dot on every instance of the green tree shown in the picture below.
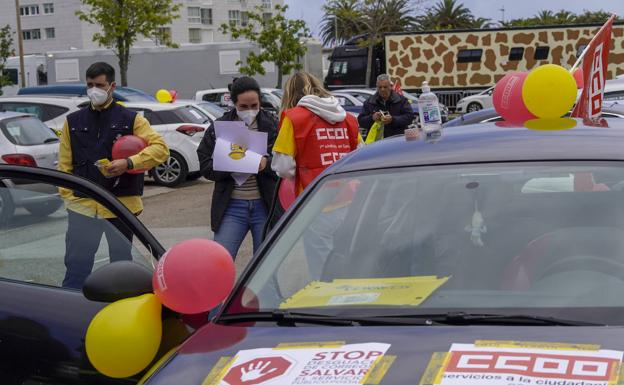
(562, 17)
(6, 42)
(124, 21)
(594, 17)
(446, 14)
(280, 41)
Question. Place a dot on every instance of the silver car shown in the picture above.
(26, 141)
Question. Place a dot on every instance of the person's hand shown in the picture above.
(387, 119)
(263, 163)
(377, 116)
(117, 167)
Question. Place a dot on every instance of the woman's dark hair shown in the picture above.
(241, 85)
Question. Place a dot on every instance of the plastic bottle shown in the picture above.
(429, 110)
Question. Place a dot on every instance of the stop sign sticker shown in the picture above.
(257, 371)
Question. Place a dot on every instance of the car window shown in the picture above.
(344, 101)
(212, 97)
(27, 131)
(215, 110)
(44, 239)
(361, 97)
(466, 238)
(151, 116)
(186, 114)
(42, 111)
(615, 95)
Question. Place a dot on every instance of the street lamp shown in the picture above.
(20, 43)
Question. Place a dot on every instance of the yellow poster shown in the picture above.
(402, 291)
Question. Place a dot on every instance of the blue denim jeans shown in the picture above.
(241, 216)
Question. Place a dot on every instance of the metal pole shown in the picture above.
(20, 43)
(335, 30)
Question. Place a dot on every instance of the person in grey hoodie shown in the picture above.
(315, 131)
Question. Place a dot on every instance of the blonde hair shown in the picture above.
(299, 85)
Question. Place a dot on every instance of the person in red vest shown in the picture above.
(315, 131)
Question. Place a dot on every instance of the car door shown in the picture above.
(42, 324)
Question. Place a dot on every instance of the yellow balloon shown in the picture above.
(550, 124)
(163, 96)
(549, 91)
(124, 337)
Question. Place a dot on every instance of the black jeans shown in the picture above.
(82, 241)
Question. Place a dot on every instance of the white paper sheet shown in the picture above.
(238, 149)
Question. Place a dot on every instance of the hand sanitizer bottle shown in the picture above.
(429, 110)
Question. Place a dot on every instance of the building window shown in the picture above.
(244, 19)
(206, 16)
(50, 33)
(194, 35)
(267, 16)
(29, 10)
(469, 55)
(580, 49)
(31, 34)
(194, 15)
(48, 8)
(541, 53)
(266, 4)
(234, 17)
(162, 35)
(516, 53)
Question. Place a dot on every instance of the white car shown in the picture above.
(26, 141)
(51, 110)
(182, 126)
(614, 90)
(476, 102)
(221, 97)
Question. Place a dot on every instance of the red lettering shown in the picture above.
(373, 354)
(356, 355)
(319, 356)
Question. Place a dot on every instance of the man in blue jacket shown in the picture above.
(388, 108)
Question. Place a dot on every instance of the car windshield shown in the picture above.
(212, 108)
(188, 114)
(132, 95)
(548, 237)
(27, 131)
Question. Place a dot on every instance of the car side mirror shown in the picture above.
(118, 280)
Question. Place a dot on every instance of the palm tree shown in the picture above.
(544, 17)
(565, 17)
(341, 21)
(446, 14)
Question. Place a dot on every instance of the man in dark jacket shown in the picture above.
(237, 209)
(388, 108)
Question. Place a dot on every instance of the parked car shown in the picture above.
(349, 102)
(122, 94)
(221, 97)
(213, 110)
(614, 89)
(609, 110)
(363, 94)
(436, 261)
(26, 141)
(182, 126)
(52, 110)
(475, 102)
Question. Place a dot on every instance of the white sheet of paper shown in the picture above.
(238, 149)
(240, 178)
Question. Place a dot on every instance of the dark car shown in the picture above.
(495, 253)
(122, 94)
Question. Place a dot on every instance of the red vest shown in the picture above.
(319, 143)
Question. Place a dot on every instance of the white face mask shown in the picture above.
(98, 96)
(247, 116)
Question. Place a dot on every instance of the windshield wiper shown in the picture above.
(461, 318)
(287, 318)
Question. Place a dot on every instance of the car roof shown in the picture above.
(489, 142)
(156, 106)
(220, 90)
(11, 114)
(46, 98)
(79, 90)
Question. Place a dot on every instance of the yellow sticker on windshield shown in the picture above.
(402, 291)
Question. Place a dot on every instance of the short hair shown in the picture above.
(242, 85)
(101, 68)
(383, 77)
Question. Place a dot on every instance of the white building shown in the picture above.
(52, 25)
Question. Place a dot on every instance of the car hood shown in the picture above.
(414, 348)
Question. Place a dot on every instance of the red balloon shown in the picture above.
(286, 192)
(127, 146)
(194, 276)
(578, 76)
(174, 95)
(507, 98)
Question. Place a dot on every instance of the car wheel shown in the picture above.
(45, 208)
(472, 107)
(172, 172)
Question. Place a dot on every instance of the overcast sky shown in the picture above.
(311, 10)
